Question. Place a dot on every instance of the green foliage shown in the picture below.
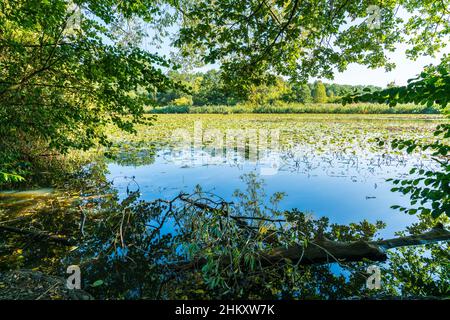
(212, 90)
(319, 93)
(209, 88)
(429, 189)
(255, 41)
(418, 271)
(201, 88)
(9, 177)
(183, 101)
(300, 93)
(312, 108)
(65, 74)
(267, 94)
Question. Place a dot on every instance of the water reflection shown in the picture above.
(130, 245)
(342, 185)
(336, 184)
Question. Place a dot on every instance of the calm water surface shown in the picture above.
(344, 186)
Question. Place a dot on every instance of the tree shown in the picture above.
(319, 92)
(267, 94)
(300, 93)
(330, 94)
(65, 73)
(212, 90)
(255, 41)
(183, 101)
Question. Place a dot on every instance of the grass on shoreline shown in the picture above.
(357, 108)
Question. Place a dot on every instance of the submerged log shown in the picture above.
(327, 251)
(323, 250)
(438, 233)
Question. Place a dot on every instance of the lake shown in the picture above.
(332, 166)
(327, 165)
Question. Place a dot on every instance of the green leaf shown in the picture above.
(97, 283)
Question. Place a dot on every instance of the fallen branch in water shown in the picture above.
(320, 250)
(317, 251)
(327, 251)
(438, 233)
(324, 250)
(221, 207)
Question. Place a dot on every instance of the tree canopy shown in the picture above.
(300, 39)
(65, 72)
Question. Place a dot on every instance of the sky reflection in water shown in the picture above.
(344, 187)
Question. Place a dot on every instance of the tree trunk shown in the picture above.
(326, 251)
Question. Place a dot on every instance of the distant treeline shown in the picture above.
(208, 89)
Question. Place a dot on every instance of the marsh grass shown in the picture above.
(314, 108)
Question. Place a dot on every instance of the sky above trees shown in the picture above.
(356, 74)
(362, 75)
